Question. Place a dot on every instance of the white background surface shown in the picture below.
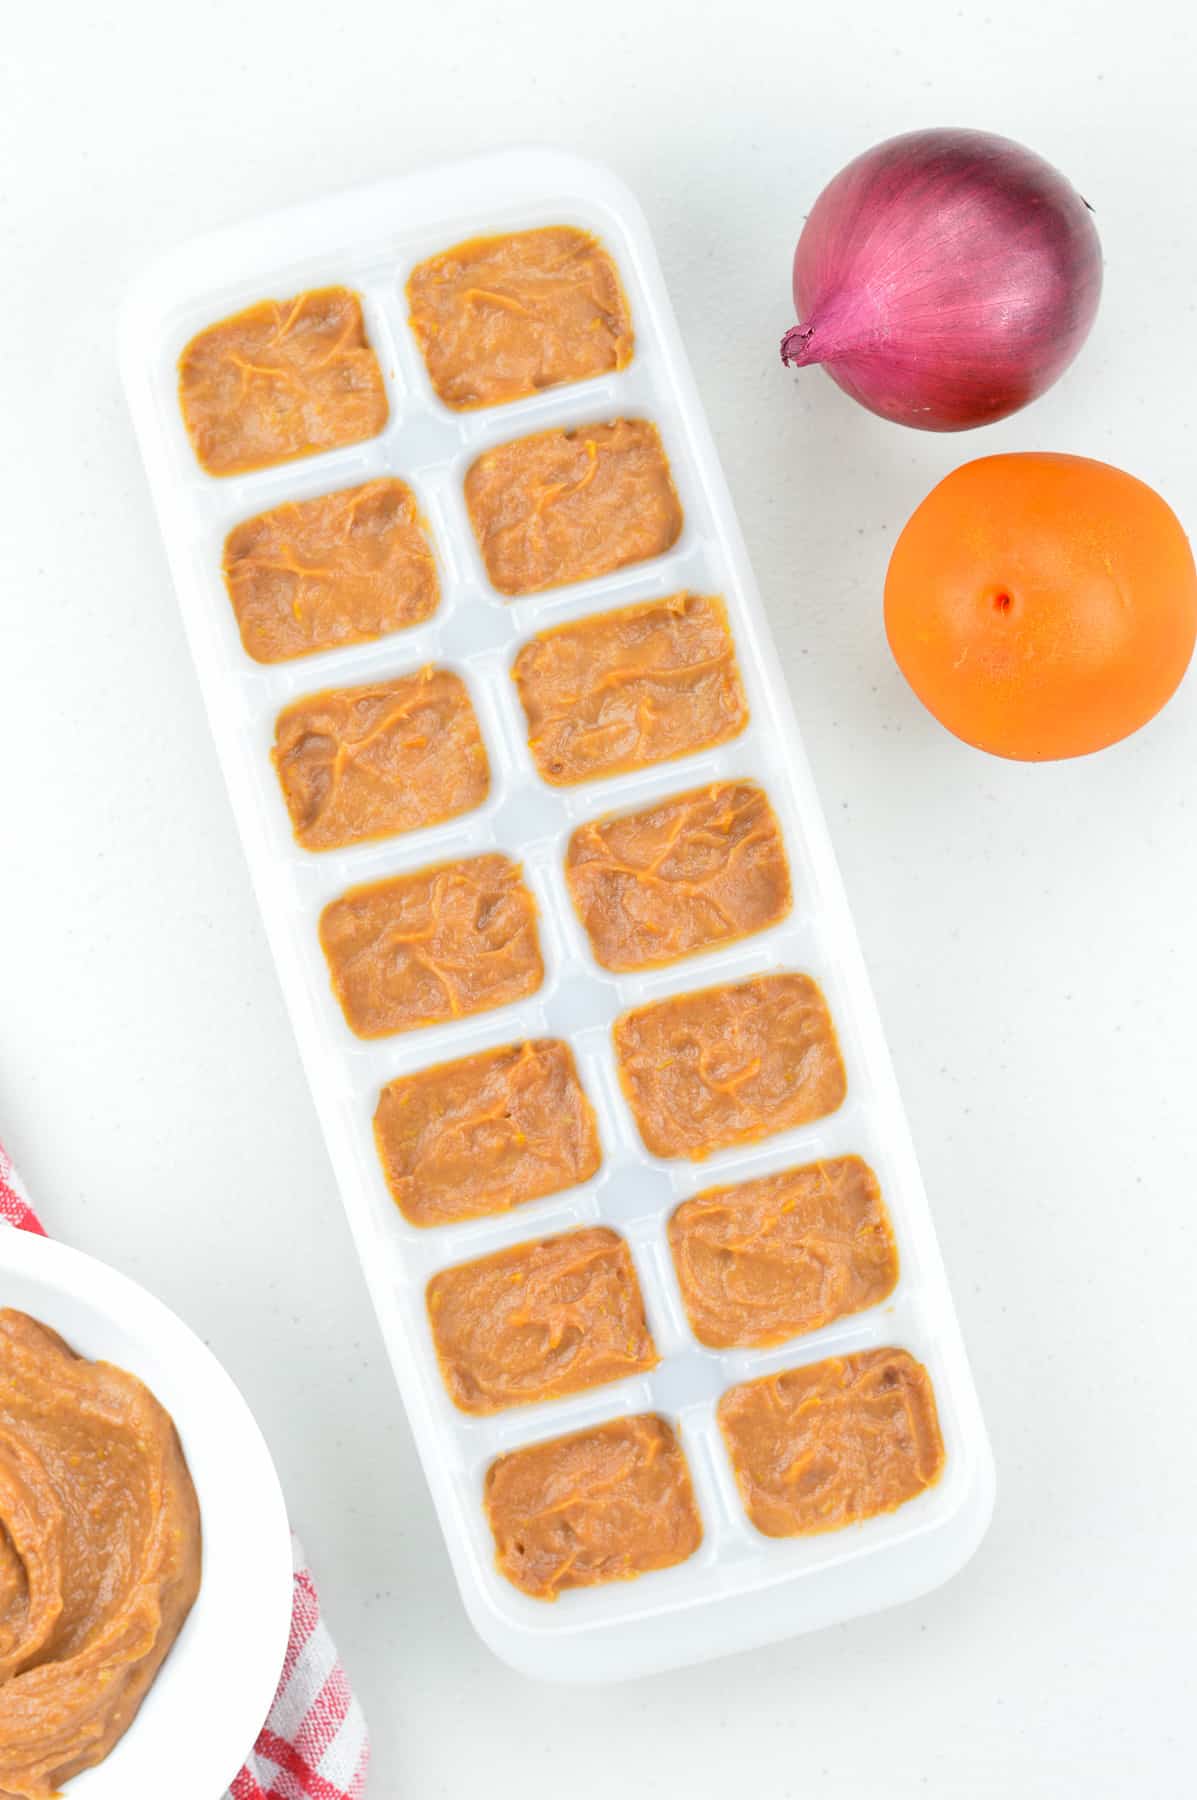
(1030, 931)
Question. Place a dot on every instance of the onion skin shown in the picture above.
(944, 279)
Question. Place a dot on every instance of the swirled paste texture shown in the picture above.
(693, 871)
(566, 506)
(704, 1071)
(764, 1260)
(438, 944)
(499, 318)
(487, 1133)
(99, 1555)
(539, 1321)
(283, 379)
(823, 1446)
(600, 1505)
(342, 569)
(369, 762)
(623, 689)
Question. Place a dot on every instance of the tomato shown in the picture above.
(1042, 606)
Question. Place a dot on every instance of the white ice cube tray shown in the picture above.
(740, 1588)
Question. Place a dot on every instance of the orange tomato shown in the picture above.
(1042, 606)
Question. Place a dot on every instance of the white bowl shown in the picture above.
(202, 1714)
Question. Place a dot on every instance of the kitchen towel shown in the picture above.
(314, 1745)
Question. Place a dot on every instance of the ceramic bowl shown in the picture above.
(211, 1697)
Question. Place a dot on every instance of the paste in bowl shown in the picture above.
(100, 1554)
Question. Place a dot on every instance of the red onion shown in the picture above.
(945, 278)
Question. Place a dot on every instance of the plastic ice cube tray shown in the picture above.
(740, 1588)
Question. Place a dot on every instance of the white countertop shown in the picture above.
(1029, 930)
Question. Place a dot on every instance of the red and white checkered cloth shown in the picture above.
(314, 1745)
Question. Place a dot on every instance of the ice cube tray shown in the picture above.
(739, 1589)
